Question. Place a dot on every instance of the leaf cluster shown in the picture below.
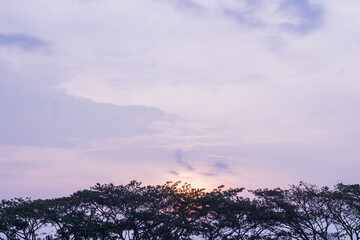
(180, 212)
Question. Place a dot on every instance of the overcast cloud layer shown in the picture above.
(236, 92)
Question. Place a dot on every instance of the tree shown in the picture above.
(181, 212)
(344, 205)
(22, 218)
(301, 211)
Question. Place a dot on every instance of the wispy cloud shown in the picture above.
(186, 5)
(179, 159)
(305, 15)
(22, 41)
(221, 165)
(293, 16)
(174, 173)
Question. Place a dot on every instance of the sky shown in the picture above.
(245, 93)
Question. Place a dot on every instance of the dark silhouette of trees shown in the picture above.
(301, 212)
(344, 207)
(22, 218)
(179, 212)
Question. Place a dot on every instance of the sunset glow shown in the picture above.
(209, 92)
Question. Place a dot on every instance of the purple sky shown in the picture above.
(237, 92)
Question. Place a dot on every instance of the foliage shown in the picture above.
(180, 212)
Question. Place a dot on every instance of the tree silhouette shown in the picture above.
(180, 212)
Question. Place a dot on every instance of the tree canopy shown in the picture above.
(173, 211)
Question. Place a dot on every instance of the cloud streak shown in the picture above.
(22, 41)
(307, 16)
(180, 160)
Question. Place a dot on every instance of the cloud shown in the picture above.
(293, 16)
(174, 173)
(243, 18)
(221, 165)
(22, 41)
(210, 174)
(307, 15)
(270, 84)
(178, 156)
(36, 114)
(179, 159)
(186, 5)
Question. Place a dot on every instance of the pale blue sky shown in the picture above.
(243, 93)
